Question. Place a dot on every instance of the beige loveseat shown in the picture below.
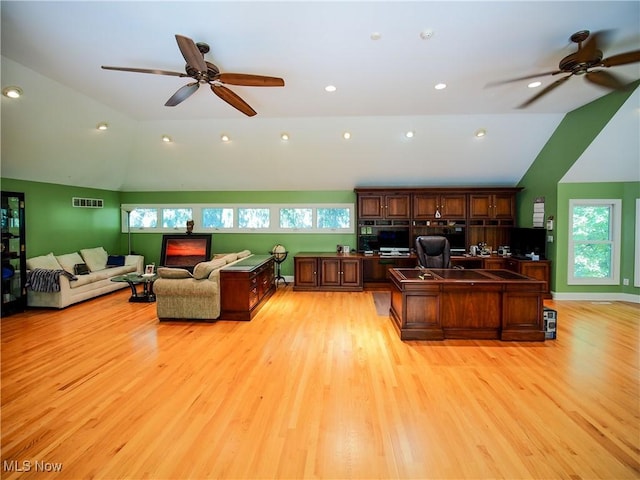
(96, 282)
(184, 295)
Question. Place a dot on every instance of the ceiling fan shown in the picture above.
(587, 57)
(206, 72)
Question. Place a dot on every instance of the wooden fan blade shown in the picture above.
(546, 90)
(191, 54)
(250, 80)
(182, 94)
(502, 82)
(232, 99)
(605, 79)
(621, 59)
(146, 70)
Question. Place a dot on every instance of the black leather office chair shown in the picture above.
(433, 252)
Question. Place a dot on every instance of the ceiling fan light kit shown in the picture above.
(204, 72)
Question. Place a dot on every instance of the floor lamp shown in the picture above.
(129, 228)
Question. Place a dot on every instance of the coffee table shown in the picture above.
(135, 279)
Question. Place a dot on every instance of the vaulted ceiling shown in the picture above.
(384, 88)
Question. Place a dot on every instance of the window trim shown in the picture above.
(274, 214)
(616, 237)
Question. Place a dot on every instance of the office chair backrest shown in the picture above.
(433, 251)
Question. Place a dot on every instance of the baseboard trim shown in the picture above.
(599, 297)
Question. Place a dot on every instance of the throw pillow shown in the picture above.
(80, 269)
(203, 269)
(244, 253)
(47, 262)
(115, 261)
(95, 258)
(166, 272)
(69, 260)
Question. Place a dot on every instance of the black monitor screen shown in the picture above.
(527, 240)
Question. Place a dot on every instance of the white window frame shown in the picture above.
(616, 226)
(274, 214)
(636, 275)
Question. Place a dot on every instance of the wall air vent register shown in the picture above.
(87, 202)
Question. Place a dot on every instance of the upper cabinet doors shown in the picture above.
(384, 206)
(431, 206)
(499, 206)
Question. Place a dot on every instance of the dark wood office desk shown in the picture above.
(435, 304)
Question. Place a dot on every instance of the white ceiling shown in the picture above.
(54, 50)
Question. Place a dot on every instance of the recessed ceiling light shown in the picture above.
(12, 92)
(481, 132)
(166, 139)
(225, 138)
(534, 84)
(346, 135)
(426, 34)
(440, 86)
(376, 36)
(102, 126)
(409, 134)
(284, 136)
(330, 88)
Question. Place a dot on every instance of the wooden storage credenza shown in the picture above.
(245, 286)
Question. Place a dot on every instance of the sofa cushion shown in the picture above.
(95, 258)
(48, 262)
(168, 272)
(80, 269)
(244, 253)
(115, 260)
(203, 269)
(68, 260)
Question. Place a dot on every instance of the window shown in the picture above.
(334, 218)
(246, 218)
(296, 218)
(594, 242)
(176, 217)
(253, 218)
(144, 218)
(217, 218)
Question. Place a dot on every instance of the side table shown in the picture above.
(135, 279)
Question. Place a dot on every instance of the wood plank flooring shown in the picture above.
(318, 385)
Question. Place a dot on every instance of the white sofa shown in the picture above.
(96, 282)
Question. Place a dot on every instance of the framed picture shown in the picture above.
(149, 269)
(185, 251)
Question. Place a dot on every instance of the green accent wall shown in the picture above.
(54, 225)
(628, 192)
(572, 137)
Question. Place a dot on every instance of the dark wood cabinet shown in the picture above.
(375, 269)
(538, 269)
(492, 206)
(305, 272)
(384, 206)
(433, 206)
(465, 215)
(13, 254)
(245, 286)
(328, 271)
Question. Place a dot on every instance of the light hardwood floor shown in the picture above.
(316, 386)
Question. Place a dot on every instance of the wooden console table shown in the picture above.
(245, 286)
(436, 304)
